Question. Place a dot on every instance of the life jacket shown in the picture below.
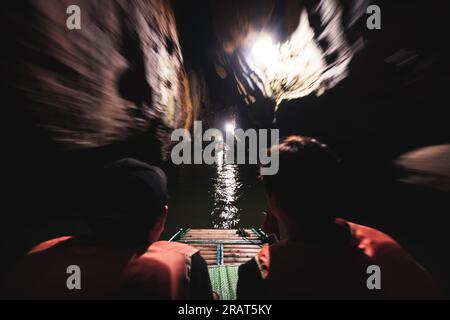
(298, 270)
(160, 271)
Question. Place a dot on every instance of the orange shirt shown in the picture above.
(161, 271)
(299, 270)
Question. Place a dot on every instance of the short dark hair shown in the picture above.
(129, 199)
(307, 184)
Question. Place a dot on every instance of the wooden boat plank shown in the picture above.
(236, 249)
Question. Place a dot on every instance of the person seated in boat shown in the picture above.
(123, 258)
(321, 256)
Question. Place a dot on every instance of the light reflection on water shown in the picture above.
(225, 193)
(220, 195)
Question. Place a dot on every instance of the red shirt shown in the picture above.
(161, 271)
(324, 270)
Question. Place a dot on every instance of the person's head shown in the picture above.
(306, 187)
(130, 203)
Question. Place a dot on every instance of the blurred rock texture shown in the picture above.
(119, 76)
(74, 100)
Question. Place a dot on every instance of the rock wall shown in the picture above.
(74, 100)
(117, 77)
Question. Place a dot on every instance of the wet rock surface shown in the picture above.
(111, 80)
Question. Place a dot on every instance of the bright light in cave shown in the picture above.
(298, 67)
(265, 51)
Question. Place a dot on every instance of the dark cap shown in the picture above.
(133, 187)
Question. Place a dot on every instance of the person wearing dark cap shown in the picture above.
(122, 257)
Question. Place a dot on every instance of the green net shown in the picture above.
(224, 281)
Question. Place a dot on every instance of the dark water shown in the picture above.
(215, 196)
